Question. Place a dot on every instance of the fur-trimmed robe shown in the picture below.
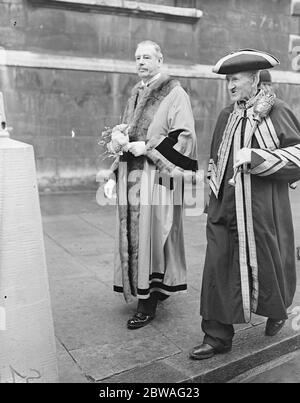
(150, 246)
(250, 257)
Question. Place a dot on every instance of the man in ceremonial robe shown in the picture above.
(250, 256)
(150, 259)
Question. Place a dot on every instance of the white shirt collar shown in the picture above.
(156, 77)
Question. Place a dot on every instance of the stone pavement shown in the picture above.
(93, 343)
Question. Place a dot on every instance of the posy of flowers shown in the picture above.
(115, 140)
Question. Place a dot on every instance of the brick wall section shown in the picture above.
(45, 105)
(234, 24)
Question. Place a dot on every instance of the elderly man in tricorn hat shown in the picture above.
(250, 256)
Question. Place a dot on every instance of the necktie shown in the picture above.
(139, 95)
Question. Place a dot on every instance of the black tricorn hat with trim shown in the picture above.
(245, 60)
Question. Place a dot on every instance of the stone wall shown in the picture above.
(61, 111)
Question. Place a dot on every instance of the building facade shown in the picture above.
(66, 68)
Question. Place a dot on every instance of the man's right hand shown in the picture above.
(109, 188)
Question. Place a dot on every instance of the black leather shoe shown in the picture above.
(139, 320)
(205, 351)
(273, 326)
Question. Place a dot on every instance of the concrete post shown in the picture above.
(27, 342)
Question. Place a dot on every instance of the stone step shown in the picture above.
(285, 369)
(251, 349)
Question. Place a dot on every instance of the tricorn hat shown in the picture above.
(245, 60)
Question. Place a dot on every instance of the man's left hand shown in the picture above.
(137, 148)
(243, 156)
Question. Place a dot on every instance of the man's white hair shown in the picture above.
(155, 46)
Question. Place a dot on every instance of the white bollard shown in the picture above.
(27, 342)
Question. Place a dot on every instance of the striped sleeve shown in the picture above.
(281, 164)
(265, 162)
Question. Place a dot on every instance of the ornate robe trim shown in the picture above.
(156, 284)
(251, 242)
(265, 134)
(267, 162)
(267, 122)
(217, 168)
(211, 176)
(232, 126)
(270, 162)
(242, 235)
(291, 154)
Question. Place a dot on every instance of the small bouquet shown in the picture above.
(115, 140)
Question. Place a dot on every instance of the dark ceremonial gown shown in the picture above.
(250, 257)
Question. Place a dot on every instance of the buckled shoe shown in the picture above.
(139, 320)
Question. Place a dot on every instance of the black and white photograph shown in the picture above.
(149, 194)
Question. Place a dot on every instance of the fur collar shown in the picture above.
(140, 118)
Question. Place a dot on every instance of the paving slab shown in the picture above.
(102, 361)
(100, 265)
(105, 221)
(60, 263)
(69, 203)
(68, 369)
(77, 236)
(155, 372)
(178, 319)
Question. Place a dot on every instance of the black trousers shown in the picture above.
(217, 334)
(148, 306)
